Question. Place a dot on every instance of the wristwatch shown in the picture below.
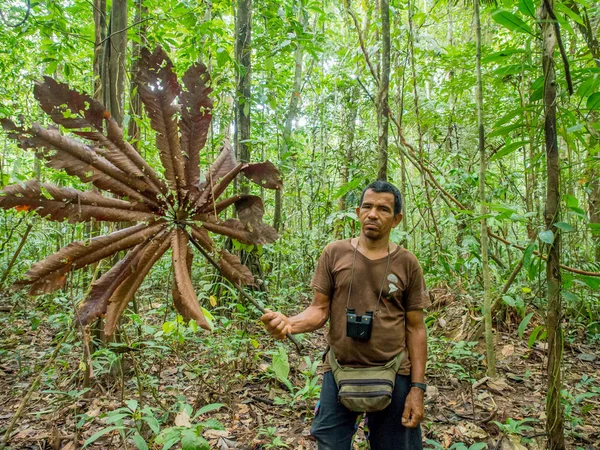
(421, 386)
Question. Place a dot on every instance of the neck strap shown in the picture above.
(387, 266)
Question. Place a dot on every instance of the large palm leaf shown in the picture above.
(159, 209)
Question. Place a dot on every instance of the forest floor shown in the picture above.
(463, 407)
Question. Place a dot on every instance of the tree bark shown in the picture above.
(554, 409)
(382, 93)
(135, 103)
(485, 268)
(115, 61)
(243, 64)
(99, 35)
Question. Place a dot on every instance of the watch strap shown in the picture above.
(421, 386)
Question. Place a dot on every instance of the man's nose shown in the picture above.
(373, 213)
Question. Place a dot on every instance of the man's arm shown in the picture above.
(311, 319)
(416, 341)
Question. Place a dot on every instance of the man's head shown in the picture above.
(384, 186)
(380, 210)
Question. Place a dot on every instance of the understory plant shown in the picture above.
(161, 210)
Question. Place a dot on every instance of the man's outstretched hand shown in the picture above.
(414, 408)
(277, 324)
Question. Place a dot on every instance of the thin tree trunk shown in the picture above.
(554, 409)
(99, 35)
(382, 93)
(135, 103)
(115, 56)
(291, 115)
(243, 51)
(489, 337)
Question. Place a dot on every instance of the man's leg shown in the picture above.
(386, 431)
(334, 425)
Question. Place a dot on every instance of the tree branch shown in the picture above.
(28, 2)
(362, 45)
(561, 47)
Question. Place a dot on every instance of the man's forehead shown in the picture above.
(379, 197)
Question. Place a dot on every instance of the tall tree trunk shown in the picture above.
(382, 92)
(99, 36)
(291, 115)
(115, 57)
(243, 64)
(487, 302)
(554, 410)
(135, 103)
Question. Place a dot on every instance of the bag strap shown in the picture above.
(395, 363)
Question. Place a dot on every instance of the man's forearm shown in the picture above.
(416, 341)
(311, 319)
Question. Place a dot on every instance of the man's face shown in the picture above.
(376, 214)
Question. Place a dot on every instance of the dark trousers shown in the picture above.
(334, 424)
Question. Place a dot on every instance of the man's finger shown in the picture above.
(406, 415)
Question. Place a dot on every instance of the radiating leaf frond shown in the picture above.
(186, 302)
(195, 119)
(158, 89)
(56, 203)
(49, 274)
(125, 292)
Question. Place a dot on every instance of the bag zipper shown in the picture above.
(366, 382)
(366, 394)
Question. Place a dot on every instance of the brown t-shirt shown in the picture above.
(403, 290)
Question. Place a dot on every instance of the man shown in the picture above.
(368, 273)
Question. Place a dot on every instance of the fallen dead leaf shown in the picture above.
(470, 430)
(508, 350)
(182, 419)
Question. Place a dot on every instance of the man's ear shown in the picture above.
(397, 220)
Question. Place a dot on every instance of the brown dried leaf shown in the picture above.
(265, 174)
(80, 160)
(188, 304)
(49, 274)
(233, 269)
(56, 203)
(195, 119)
(235, 229)
(158, 89)
(96, 301)
(125, 292)
(78, 111)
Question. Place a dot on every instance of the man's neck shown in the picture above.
(373, 248)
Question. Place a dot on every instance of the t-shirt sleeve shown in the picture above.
(416, 295)
(322, 279)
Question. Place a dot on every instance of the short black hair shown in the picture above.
(384, 186)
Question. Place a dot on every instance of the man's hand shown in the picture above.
(277, 324)
(414, 409)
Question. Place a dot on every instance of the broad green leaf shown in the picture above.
(546, 236)
(345, 188)
(508, 300)
(210, 319)
(534, 335)
(140, 442)
(523, 324)
(209, 408)
(593, 101)
(94, 437)
(191, 441)
(503, 131)
(592, 282)
(564, 226)
(559, 6)
(132, 404)
(571, 201)
(511, 69)
(507, 149)
(510, 21)
(496, 56)
(526, 7)
(478, 446)
(152, 423)
(588, 86)
(281, 365)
